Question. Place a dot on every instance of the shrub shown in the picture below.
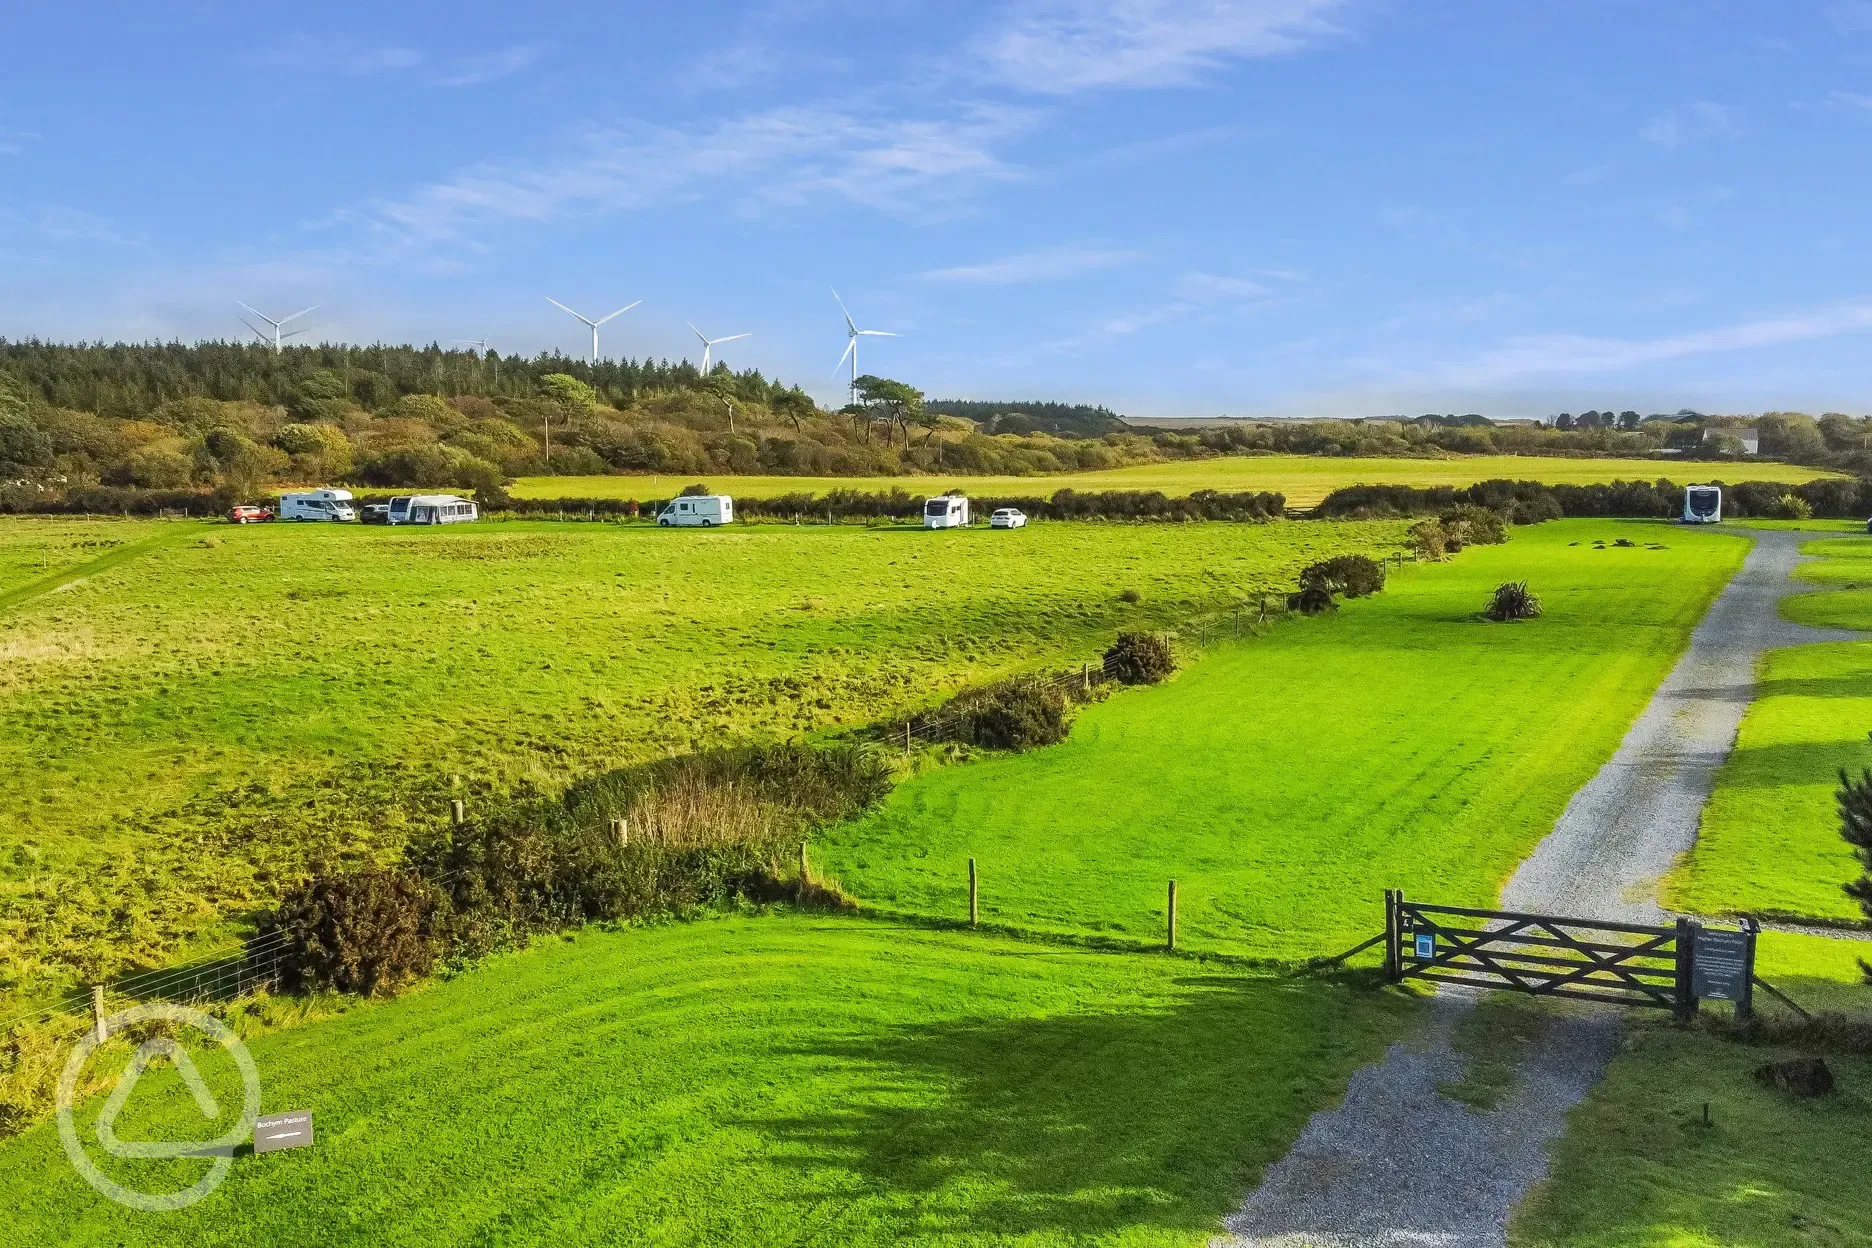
(1470, 525)
(1511, 602)
(1855, 812)
(1355, 576)
(1428, 540)
(1793, 507)
(365, 932)
(1140, 659)
(1130, 596)
(1312, 600)
(1019, 714)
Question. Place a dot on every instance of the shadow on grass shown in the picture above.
(1777, 766)
(1082, 1125)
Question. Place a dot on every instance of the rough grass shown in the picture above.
(778, 1081)
(1304, 479)
(1769, 840)
(1285, 781)
(188, 725)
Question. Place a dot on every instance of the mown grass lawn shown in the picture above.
(201, 710)
(786, 1080)
(1286, 781)
(1769, 840)
(1304, 479)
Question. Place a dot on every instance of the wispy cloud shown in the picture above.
(476, 70)
(349, 58)
(1851, 99)
(1550, 355)
(1063, 46)
(1046, 265)
(14, 142)
(1701, 120)
(1190, 293)
(781, 157)
(58, 225)
(1852, 17)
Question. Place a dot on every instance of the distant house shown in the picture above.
(1750, 440)
(1520, 422)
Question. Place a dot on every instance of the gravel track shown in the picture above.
(1397, 1163)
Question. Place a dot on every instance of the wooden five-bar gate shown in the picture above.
(1671, 967)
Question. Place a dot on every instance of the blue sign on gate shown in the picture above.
(1426, 945)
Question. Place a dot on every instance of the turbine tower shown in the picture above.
(594, 324)
(708, 342)
(853, 334)
(483, 344)
(276, 337)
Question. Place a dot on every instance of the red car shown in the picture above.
(248, 513)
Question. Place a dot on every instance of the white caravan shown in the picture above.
(431, 509)
(1702, 504)
(331, 505)
(698, 511)
(946, 511)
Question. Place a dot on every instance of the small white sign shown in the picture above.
(1426, 945)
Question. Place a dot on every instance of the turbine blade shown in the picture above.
(877, 333)
(563, 308)
(249, 324)
(698, 333)
(627, 307)
(850, 346)
(849, 323)
(295, 316)
(291, 333)
(263, 316)
(730, 338)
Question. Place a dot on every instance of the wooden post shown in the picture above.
(458, 813)
(1085, 675)
(1745, 1004)
(97, 1013)
(1686, 1004)
(1170, 943)
(974, 896)
(805, 872)
(906, 738)
(1393, 966)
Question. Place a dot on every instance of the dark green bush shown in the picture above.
(1140, 659)
(1019, 714)
(1470, 525)
(1511, 602)
(365, 932)
(1312, 600)
(1355, 576)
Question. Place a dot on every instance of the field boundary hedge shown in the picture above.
(1529, 502)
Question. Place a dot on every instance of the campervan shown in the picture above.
(1702, 504)
(946, 511)
(333, 505)
(431, 509)
(698, 510)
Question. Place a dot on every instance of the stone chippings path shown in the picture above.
(1397, 1163)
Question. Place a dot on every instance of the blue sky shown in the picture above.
(1267, 207)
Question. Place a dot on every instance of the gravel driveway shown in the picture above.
(1397, 1162)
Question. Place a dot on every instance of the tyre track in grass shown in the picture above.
(55, 581)
(1401, 1164)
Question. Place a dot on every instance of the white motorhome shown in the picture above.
(1702, 504)
(698, 511)
(946, 511)
(331, 505)
(431, 509)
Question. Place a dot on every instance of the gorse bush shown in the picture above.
(1019, 714)
(1140, 659)
(1312, 600)
(1470, 525)
(1355, 576)
(367, 932)
(1511, 602)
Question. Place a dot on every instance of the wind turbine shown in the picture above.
(853, 333)
(708, 342)
(277, 336)
(594, 324)
(483, 344)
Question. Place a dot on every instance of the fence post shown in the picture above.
(97, 1013)
(974, 897)
(805, 872)
(1170, 944)
(906, 738)
(1686, 1008)
(458, 813)
(1391, 965)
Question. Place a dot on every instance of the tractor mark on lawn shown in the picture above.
(1400, 1162)
(67, 578)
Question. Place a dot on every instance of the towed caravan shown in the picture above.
(1702, 504)
(431, 509)
(946, 511)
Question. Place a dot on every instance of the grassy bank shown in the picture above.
(1284, 782)
(187, 722)
(1304, 479)
(776, 1081)
(1769, 840)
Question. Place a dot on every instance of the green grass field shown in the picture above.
(1286, 781)
(200, 710)
(770, 1081)
(1769, 841)
(1304, 479)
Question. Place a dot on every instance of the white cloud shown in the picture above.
(1701, 120)
(476, 70)
(14, 142)
(1046, 265)
(1548, 355)
(785, 156)
(310, 54)
(1851, 99)
(59, 225)
(1062, 46)
(1853, 17)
